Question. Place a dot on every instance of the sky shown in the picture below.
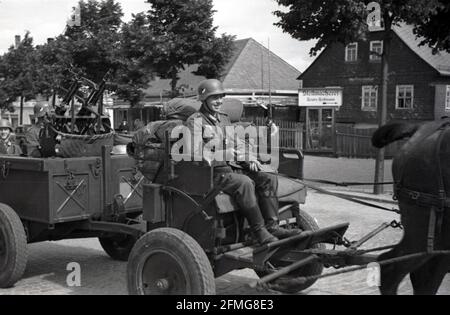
(243, 18)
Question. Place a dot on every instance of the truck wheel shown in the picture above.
(118, 247)
(13, 247)
(169, 262)
(306, 223)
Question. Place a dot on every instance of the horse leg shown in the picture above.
(393, 274)
(428, 278)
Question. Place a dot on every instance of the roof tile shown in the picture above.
(248, 69)
(439, 61)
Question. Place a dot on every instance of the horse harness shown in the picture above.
(439, 201)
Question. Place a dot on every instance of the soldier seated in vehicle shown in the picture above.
(32, 135)
(7, 141)
(253, 191)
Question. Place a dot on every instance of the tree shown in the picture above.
(93, 46)
(216, 57)
(17, 74)
(50, 72)
(101, 42)
(436, 28)
(345, 21)
(181, 33)
(6, 97)
(135, 49)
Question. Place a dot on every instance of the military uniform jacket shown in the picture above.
(32, 136)
(219, 138)
(7, 147)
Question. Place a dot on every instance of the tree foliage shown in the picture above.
(181, 33)
(51, 71)
(93, 47)
(170, 35)
(135, 50)
(436, 28)
(99, 44)
(17, 73)
(345, 21)
(329, 21)
(216, 57)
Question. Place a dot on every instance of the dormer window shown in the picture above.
(351, 52)
(376, 50)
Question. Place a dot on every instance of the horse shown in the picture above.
(422, 185)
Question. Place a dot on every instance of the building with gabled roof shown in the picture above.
(419, 81)
(246, 76)
(247, 70)
(440, 61)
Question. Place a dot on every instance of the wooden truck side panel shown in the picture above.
(57, 190)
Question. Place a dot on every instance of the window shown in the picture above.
(376, 47)
(405, 97)
(351, 52)
(447, 98)
(369, 98)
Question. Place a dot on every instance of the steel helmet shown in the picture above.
(40, 110)
(5, 124)
(209, 88)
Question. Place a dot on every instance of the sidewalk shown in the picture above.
(347, 170)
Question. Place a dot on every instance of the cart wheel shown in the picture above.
(13, 247)
(169, 262)
(118, 247)
(306, 223)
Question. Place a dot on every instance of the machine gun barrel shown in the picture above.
(70, 94)
(98, 92)
(86, 124)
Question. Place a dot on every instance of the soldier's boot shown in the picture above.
(269, 210)
(256, 222)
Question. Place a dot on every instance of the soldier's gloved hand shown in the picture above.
(255, 166)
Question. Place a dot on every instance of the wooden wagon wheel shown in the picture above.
(13, 247)
(306, 223)
(169, 262)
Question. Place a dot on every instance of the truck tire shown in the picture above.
(169, 262)
(13, 247)
(306, 223)
(118, 247)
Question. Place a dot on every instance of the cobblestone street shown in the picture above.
(191, 120)
(46, 271)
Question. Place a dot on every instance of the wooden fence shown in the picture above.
(291, 133)
(357, 143)
(349, 141)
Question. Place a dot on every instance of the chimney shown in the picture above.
(17, 41)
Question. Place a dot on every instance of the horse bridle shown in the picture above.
(439, 201)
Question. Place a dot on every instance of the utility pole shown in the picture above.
(382, 115)
(270, 82)
(21, 110)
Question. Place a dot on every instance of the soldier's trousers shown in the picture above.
(252, 190)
